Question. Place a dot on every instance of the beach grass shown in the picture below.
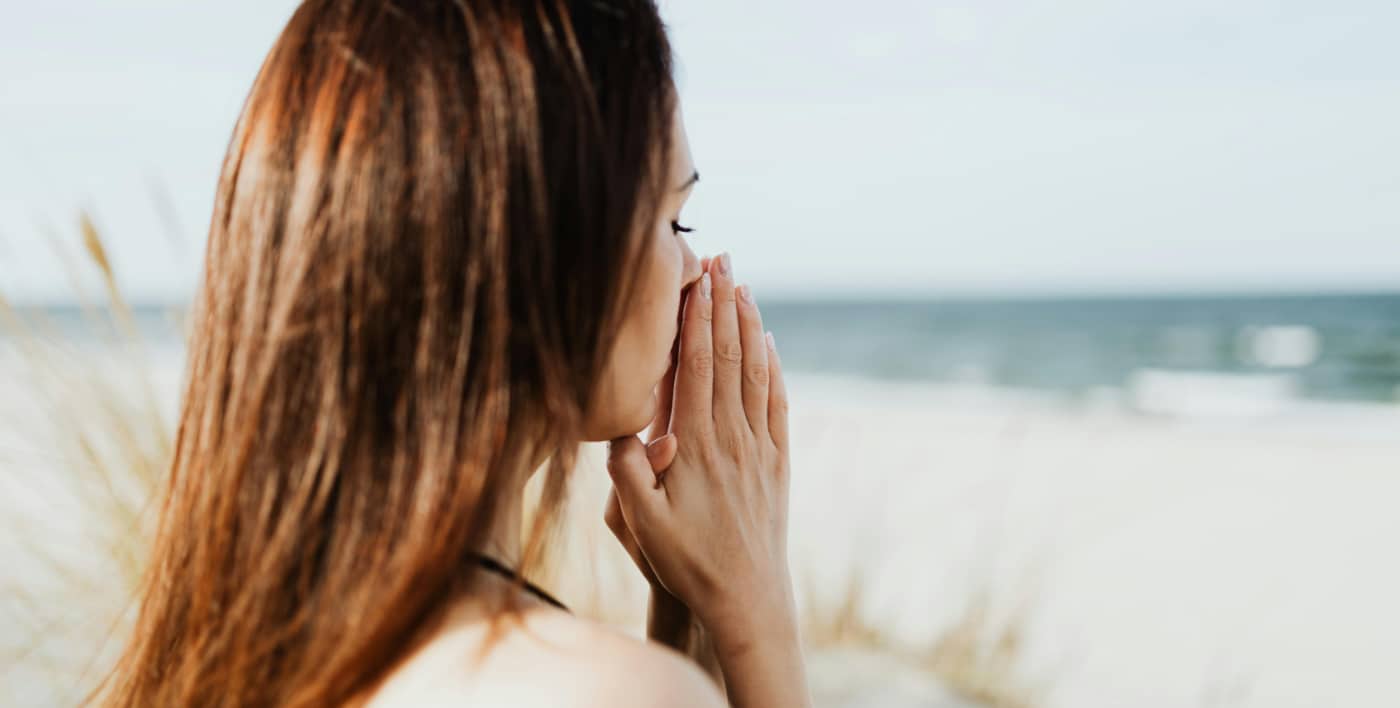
(77, 491)
(98, 443)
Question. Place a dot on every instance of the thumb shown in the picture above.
(632, 477)
(661, 452)
(612, 516)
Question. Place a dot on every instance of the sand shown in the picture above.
(1158, 561)
(1142, 560)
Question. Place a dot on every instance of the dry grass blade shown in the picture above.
(97, 252)
(978, 657)
(108, 446)
(98, 446)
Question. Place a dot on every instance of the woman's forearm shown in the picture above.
(671, 623)
(759, 651)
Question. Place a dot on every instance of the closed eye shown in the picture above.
(677, 228)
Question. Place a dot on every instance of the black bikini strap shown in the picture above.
(496, 566)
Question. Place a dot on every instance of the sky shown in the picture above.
(998, 147)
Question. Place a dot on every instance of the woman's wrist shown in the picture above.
(767, 618)
(669, 621)
(758, 647)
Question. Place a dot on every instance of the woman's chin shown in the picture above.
(648, 413)
(633, 424)
(645, 415)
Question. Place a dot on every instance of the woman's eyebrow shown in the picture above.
(694, 177)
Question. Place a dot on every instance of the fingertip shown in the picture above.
(618, 449)
(698, 308)
(661, 452)
(629, 468)
(655, 445)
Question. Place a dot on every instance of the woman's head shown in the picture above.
(644, 345)
(441, 249)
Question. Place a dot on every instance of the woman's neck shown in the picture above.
(503, 540)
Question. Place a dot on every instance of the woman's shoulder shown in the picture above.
(551, 658)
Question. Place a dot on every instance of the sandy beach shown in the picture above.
(1159, 562)
(1139, 560)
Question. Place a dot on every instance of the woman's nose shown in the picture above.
(694, 265)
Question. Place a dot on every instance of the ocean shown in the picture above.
(1223, 520)
(1322, 347)
(1151, 350)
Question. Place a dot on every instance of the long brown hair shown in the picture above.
(415, 271)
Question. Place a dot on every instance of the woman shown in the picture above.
(444, 251)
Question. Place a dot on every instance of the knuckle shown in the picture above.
(714, 454)
(730, 353)
(780, 406)
(732, 440)
(701, 364)
(700, 456)
(757, 374)
(703, 457)
(704, 314)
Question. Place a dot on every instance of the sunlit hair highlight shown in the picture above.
(416, 268)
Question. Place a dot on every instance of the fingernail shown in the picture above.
(744, 293)
(705, 286)
(654, 446)
(724, 263)
(769, 336)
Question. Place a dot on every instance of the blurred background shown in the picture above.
(1092, 311)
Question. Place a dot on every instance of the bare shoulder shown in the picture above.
(641, 673)
(552, 659)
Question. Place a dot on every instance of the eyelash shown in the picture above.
(678, 229)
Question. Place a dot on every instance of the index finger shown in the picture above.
(695, 372)
(665, 394)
